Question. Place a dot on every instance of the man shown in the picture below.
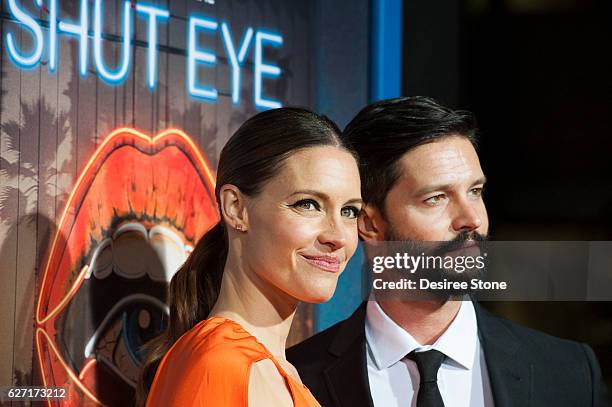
(422, 181)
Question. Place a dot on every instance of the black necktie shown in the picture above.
(428, 363)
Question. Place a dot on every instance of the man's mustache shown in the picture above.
(460, 241)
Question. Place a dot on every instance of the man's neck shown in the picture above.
(426, 321)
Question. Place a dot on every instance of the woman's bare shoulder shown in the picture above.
(267, 386)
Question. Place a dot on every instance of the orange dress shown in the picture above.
(210, 366)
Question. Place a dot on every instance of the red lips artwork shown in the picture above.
(136, 210)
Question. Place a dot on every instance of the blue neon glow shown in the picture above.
(198, 56)
(53, 46)
(195, 55)
(20, 59)
(236, 60)
(80, 30)
(154, 14)
(262, 69)
(386, 57)
(119, 74)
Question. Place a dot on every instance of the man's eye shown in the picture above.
(350, 212)
(434, 200)
(476, 191)
(306, 204)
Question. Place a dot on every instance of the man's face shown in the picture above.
(437, 197)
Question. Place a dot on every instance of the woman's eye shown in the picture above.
(435, 200)
(350, 212)
(306, 204)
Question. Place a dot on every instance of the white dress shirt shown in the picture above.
(394, 379)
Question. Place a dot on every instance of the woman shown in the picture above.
(289, 195)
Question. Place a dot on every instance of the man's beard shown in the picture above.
(441, 274)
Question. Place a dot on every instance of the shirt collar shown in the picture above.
(389, 343)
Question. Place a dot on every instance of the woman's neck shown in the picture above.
(261, 309)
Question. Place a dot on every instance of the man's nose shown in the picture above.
(466, 218)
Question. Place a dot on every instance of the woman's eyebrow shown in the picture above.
(319, 194)
(323, 196)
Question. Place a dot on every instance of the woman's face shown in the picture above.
(302, 226)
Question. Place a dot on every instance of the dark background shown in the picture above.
(538, 75)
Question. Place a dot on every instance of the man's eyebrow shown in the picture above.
(445, 187)
(354, 201)
(482, 180)
(431, 188)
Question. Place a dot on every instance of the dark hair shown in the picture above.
(384, 131)
(252, 156)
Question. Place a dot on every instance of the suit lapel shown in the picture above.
(347, 377)
(509, 370)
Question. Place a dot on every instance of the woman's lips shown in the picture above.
(326, 263)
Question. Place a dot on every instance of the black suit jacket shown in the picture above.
(526, 367)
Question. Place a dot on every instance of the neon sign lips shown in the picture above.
(136, 210)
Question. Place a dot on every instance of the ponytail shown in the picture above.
(192, 293)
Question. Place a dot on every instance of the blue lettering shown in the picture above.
(194, 55)
(197, 55)
(236, 60)
(20, 59)
(153, 13)
(53, 36)
(262, 69)
(119, 74)
(80, 30)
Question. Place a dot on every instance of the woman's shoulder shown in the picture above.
(218, 341)
(209, 362)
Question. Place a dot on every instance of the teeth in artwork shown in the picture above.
(133, 251)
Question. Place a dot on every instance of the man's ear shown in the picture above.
(371, 224)
(233, 207)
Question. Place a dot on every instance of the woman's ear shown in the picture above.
(233, 207)
(371, 224)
